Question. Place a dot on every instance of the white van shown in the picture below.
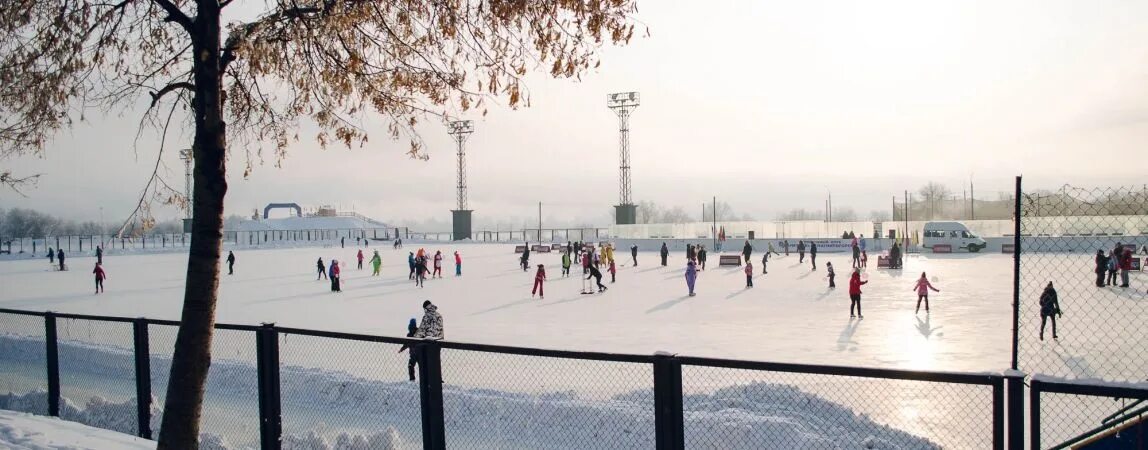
(955, 234)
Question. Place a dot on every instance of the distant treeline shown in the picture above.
(28, 223)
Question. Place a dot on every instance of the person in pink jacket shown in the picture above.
(748, 273)
(922, 289)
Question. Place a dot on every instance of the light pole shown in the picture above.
(623, 104)
(461, 217)
(187, 157)
(103, 228)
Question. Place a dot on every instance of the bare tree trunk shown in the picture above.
(192, 358)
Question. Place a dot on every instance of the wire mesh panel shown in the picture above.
(231, 399)
(751, 409)
(23, 371)
(97, 373)
(1089, 246)
(1068, 420)
(502, 401)
(345, 391)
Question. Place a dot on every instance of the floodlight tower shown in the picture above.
(623, 104)
(187, 157)
(461, 130)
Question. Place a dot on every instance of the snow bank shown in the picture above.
(740, 416)
(20, 431)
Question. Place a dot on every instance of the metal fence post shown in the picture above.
(998, 413)
(669, 424)
(143, 377)
(1034, 413)
(430, 394)
(1016, 277)
(270, 405)
(1015, 411)
(51, 354)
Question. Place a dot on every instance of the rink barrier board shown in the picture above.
(557, 247)
(883, 262)
(519, 248)
(668, 408)
(1008, 248)
(1136, 265)
(540, 248)
(729, 260)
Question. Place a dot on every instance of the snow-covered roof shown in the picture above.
(307, 223)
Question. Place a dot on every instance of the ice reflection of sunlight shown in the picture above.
(912, 346)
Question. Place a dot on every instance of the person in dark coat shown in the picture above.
(1101, 267)
(60, 259)
(1049, 308)
(665, 253)
(690, 254)
(813, 254)
(525, 261)
(51, 256)
(99, 254)
(322, 270)
(230, 263)
(634, 254)
(597, 276)
(800, 251)
(702, 257)
(746, 251)
(413, 360)
(856, 256)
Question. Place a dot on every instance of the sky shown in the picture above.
(767, 105)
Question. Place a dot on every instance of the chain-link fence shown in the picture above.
(345, 391)
(752, 408)
(1069, 415)
(22, 364)
(510, 401)
(1088, 245)
(97, 373)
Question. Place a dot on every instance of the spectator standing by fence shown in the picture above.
(100, 277)
(413, 358)
(1101, 268)
(1125, 266)
(51, 256)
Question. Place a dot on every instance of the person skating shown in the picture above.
(690, 252)
(60, 259)
(923, 286)
(691, 276)
(813, 254)
(566, 264)
(864, 256)
(1113, 264)
(230, 263)
(437, 264)
(702, 257)
(457, 264)
(1101, 268)
(764, 263)
(597, 276)
(585, 263)
(832, 276)
(342, 244)
(99, 254)
(376, 263)
(634, 254)
(769, 249)
(539, 279)
(857, 256)
(746, 251)
(359, 257)
(1125, 266)
(322, 269)
(100, 277)
(411, 262)
(665, 253)
(334, 274)
(525, 260)
(51, 256)
(895, 256)
(855, 293)
(748, 274)
(413, 360)
(421, 271)
(800, 252)
(1049, 309)
(613, 271)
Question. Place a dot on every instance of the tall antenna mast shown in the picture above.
(623, 104)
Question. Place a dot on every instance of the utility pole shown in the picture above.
(972, 201)
(539, 222)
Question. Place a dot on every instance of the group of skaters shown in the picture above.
(591, 258)
(417, 263)
(1117, 261)
(56, 259)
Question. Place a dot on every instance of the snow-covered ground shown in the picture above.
(20, 431)
(789, 316)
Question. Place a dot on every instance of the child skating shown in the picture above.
(100, 277)
(831, 276)
(376, 264)
(922, 289)
(855, 293)
(566, 264)
(359, 257)
(748, 274)
(613, 271)
(322, 270)
(437, 264)
(457, 264)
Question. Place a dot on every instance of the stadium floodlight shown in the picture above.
(623, 104)
(460, 130)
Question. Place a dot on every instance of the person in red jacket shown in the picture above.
(1125, 266)
(855, 293)
(922, 289)
(360, 257)
(100, 276)
(539, 277)
(613, 271)
(457, 264)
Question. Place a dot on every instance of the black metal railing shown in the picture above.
(496, 394)
(1090, 416)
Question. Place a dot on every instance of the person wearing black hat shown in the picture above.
(431, 325)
